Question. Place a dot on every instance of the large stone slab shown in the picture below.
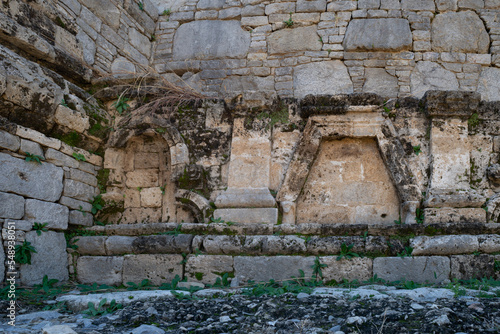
(207, 268)
(432, 269)
(245, 197)
(293, 40)
(99, 269)
(50, 258)
(30, 179)
(378, 35)
(246, 215)
(55, 215)
(454, 215)
(264, 268)
(468, 267)
(9, 141)
(351, 269)
(159, 269)
(11, 206)
(459, 32)
(428, 75)
(444, 245)
(378, 81)
(489, 84)
(78, 190)
(210, 39)
(321, 78)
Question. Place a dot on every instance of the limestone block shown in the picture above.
(78, 190)
(351, 269)
(210, 39)
(81, 176)
(119, 245)
(114, 158)
(454, 215)
(283, 147)
(210, 4)
(288, 244)
(449, 198)
(144, 160)
(151, 197)
(91, 245)
(327, 77)
(254, 21)
(157, 268)
(264, 268)
(71, 119)
(386, 34)
(88, 47)
(142, 178)
(122, 67)
(289, 209)
(207, 268)
(50, 259)
(489, 243)
(99, 269)
(468, 267)
(307, 6)
(459, 32)
(222, 244)
(489, 84)
(337, 6)
(38, 137)
(9, 141)
(60, 159)
(429, 75)
(280, 8)
(421, 269)
(80, 218)
(139, 41)
(108, 12)
(245, 197)
(294, 40)
(30, 178)
(378, 81)
(256, 215)
(471, 4)
(56, 215)
(11, 206)
(65, 40)
(162, 244)
(141, 215)
(418, 5)
(332, 245)
(446, 5)
(444, 245)
(31, 147)
(179, 154)
(75, 204)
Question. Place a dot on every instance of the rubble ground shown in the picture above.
(289, 307)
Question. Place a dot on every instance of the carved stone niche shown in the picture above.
(349, 169)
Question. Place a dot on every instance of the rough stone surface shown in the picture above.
(293, 40)
(431, 76)
(31, 147)
(432, 269)
(459, 32)
(210, 39)
(50, 257)
(9, 141)
(30, 179)
(378, 35)
(351, 269)
(380, 82)
(72, 119)
(261, 268)
(489, 243)
(451, 215)
(90, 245)
(468, 267)
(257, 215)
(99, 269)
(247, 197)
(80, 218)
(207, 268)
(58, 329)
(329, 77)
(157, 268)
(78, 190)
(119, 245)
(12, 206)
(55, 215)
(444, 245)
(489, 84)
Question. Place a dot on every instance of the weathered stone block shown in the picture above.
(308, 6)
(257, 215)
(332, 245)
(56, 215)
(245, 197)
(50, 259)
(30, 179)
(71, 119)
(81, 176)
(293, 40)
(222, 244)
(378, 35)
(142, 178)
(75, 204)
(444, 245)
(91, 245)
(207, 268)
(380, 82)
(264, 268)
(99, 269)
(38, 137)
(459, 32)
(60, 159)
(151, 197)
(418, 5)
(161, 244)
(454, 215)
(119, 245)
(289, 244)
(351, 269)
(468, 267)
(428, 75)
(210, 39)
(11, 206)
(80, 218)
(157, 268)
(28, 146)
(108, 12)
(328, 78)
(489, 243)
(421, 269)
(489, 84)
(446, 5)
(8, 141)
(78, 190)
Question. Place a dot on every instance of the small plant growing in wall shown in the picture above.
(23, 252)
(316, 269)
(289, 23)
(121, 104)
(63, 103)
(416, 149)
(166, 12)
(141, 5)
(346, 252)
(94, 311)
(406, 252)
(97, 204)
(39, 228)
(33, 157)
(419, 216)
(79, 156)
